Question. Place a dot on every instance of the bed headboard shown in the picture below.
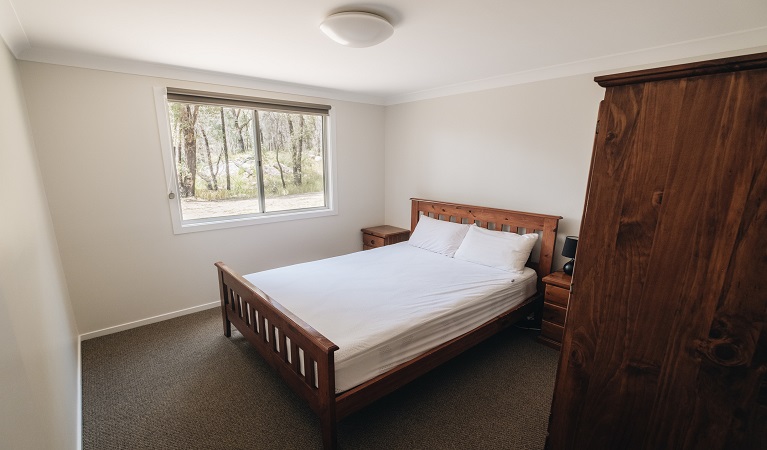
(496, 219)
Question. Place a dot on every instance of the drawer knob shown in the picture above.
(372, 241)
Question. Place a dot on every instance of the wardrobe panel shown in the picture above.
(665, 343)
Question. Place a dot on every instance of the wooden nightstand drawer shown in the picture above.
(554, 314)
(374, 237)
(552, 331)
(554, 311)
(557, 295)
(372, 241)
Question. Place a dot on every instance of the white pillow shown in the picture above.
(502, 250)
(439, 236)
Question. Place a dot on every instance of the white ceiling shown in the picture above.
(438, 47)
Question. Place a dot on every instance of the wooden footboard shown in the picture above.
(303, 357)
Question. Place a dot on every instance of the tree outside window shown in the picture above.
(239, 161)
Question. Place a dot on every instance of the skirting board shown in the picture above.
(79, 412)
(147, 321)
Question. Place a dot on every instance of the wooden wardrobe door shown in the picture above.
(666, 343)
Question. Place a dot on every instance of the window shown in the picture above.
(233, 160)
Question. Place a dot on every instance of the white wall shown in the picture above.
(38, 338)
(97, 139)
(524, 147)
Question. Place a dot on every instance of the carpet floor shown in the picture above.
(180, 384)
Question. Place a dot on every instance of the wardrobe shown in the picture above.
(665, 341)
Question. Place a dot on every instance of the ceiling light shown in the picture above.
(357, 29)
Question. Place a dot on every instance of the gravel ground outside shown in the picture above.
(200, 209)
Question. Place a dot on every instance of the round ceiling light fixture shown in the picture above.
(357, 29)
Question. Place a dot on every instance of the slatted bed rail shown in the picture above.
(303, 357)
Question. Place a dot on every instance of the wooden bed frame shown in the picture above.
(272, 329)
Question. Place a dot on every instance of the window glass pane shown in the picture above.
(293, 160)
(215, 160)
(216, 151)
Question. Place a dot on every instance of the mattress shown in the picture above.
(385, 306)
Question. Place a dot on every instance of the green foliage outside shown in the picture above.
(205, 137)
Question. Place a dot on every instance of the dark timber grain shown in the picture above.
(665, 344)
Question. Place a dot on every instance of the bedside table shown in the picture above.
(375, 237)
(555, 308)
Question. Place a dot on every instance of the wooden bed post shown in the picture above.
(413, 214)
(548, 238)
(222, 287)
(327, 401)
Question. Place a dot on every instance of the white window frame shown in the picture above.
(181, 226)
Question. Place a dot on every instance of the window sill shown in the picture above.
(232, 222)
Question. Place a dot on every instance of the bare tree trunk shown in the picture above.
(210, 162)
(279, 166)
(301, 137)
(177, 149)
(298, 148)
(188, 120)
(226, 152)
(239, 126)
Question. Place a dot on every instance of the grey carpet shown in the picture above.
(180, 384)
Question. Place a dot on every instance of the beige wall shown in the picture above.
(524, 147)
(38, 339)
(97, 139)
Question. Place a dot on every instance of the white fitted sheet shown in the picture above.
(385, 306)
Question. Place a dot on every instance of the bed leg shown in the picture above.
(329, 431)
(227, 324)
(227, 327)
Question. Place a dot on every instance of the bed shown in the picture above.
(288, 335)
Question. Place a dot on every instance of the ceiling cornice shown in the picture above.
(742, 42)
(11, 30)
(88, 61)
